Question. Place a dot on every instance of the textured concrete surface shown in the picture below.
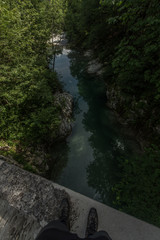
(28, 202)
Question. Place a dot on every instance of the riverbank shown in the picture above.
(130, 69)
(97, 140)
(135, 168)
(116, 102)
(30, 119)
(35, 157)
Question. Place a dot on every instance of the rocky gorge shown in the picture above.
(37, 159)
(134, 114)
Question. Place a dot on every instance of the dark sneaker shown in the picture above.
(65, 210)
(92, 224)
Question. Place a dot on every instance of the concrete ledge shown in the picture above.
(28, 202)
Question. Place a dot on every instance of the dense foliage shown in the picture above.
(125, 36)
(27, 86)
(138, 191)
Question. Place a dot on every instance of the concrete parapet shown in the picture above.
(28, 202)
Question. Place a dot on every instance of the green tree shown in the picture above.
(138, 191)
(125, 36)
(28, 113)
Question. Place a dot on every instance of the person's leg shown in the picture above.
(58, 229)
(92, 226)
(92, 223)
(100, 234)
(57, 224)
(63, 223)
(51, 227)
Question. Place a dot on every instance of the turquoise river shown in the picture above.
(88, 161)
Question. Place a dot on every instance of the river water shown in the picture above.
(88, 161)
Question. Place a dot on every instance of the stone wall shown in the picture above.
(28, 202)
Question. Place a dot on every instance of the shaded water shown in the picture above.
(88, 160)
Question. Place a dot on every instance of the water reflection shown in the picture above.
(90, 161)
(59, 160)
(107, 140)
(79, 155)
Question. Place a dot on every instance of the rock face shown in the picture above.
(95, 67)
(114, 99)
(117, 102)
(65, 103)
(30, 193)
(37, 160)
(58, 40)
(10, 160)
(28, 202)
(134, 114)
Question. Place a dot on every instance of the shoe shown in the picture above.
(65, 211)
(92, 224)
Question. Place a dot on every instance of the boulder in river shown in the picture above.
(65, 102)
(95, 67)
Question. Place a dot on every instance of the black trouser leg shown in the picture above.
(99, 234)
(56, 230)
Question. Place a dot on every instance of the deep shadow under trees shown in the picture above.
(125, 36)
